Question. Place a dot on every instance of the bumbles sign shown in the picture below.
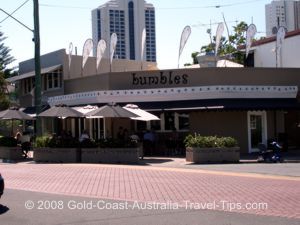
(160, 79)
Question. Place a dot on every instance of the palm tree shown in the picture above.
(228, 48)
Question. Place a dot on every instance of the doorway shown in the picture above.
(257, 130)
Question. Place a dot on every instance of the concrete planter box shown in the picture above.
(61, 155)
(11, 153)
(110, 155)
(212, 155)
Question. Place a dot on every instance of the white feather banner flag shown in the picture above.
(143, 43)
(70, 53)
(87, 49)
(251, 31)
(183, 40)
(219, 33)
(279, 40)
(113, 45)
(100, 51)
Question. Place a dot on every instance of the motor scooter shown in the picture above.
(272, 153)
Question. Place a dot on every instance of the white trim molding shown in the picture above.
(175, 94)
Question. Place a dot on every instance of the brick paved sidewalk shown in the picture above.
(161, 185)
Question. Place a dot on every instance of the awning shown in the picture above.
(223, 104)
(32, 73)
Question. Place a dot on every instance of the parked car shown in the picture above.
(1, 185)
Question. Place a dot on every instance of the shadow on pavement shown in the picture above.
(3, 209)
(149, 161)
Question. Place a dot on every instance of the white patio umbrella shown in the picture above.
(61, 112)
(14, 114)
(142, 114)
(85, 109)
(110, 111)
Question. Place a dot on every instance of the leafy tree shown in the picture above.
(5, 58)
(228, 48)
(4, 101)
(194, 56)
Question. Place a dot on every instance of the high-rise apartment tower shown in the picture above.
(126, 18)
(284, 13)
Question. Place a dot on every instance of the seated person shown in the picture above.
(84, 136)
(18, 137)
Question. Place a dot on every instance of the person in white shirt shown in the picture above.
(25, 143)
(84, 136)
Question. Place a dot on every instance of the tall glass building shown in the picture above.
(126, 18)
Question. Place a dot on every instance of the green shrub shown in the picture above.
(227, 142)
(42, 141)
(209, 141)
(56, 142)
(115, 143)
(88, 143)
(8, 142)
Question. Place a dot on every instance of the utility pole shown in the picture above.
(36, 39)
(37, 96)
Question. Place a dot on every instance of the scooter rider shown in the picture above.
(270, 154)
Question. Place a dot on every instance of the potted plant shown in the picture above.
(110, 151)
(207, 149)
(56, 149)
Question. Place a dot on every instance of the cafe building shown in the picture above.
(249, 104)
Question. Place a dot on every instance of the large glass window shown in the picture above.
(169, 120)
(141, 125)
(183, 121)
(117, 25)
(131, 29)
(28, 85)
(150, 30)
(55, 80)
(155, 125)
(52, 80)
(99, 24)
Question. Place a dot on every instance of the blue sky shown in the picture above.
(65, 21)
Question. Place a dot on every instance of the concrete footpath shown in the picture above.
(289, 168)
